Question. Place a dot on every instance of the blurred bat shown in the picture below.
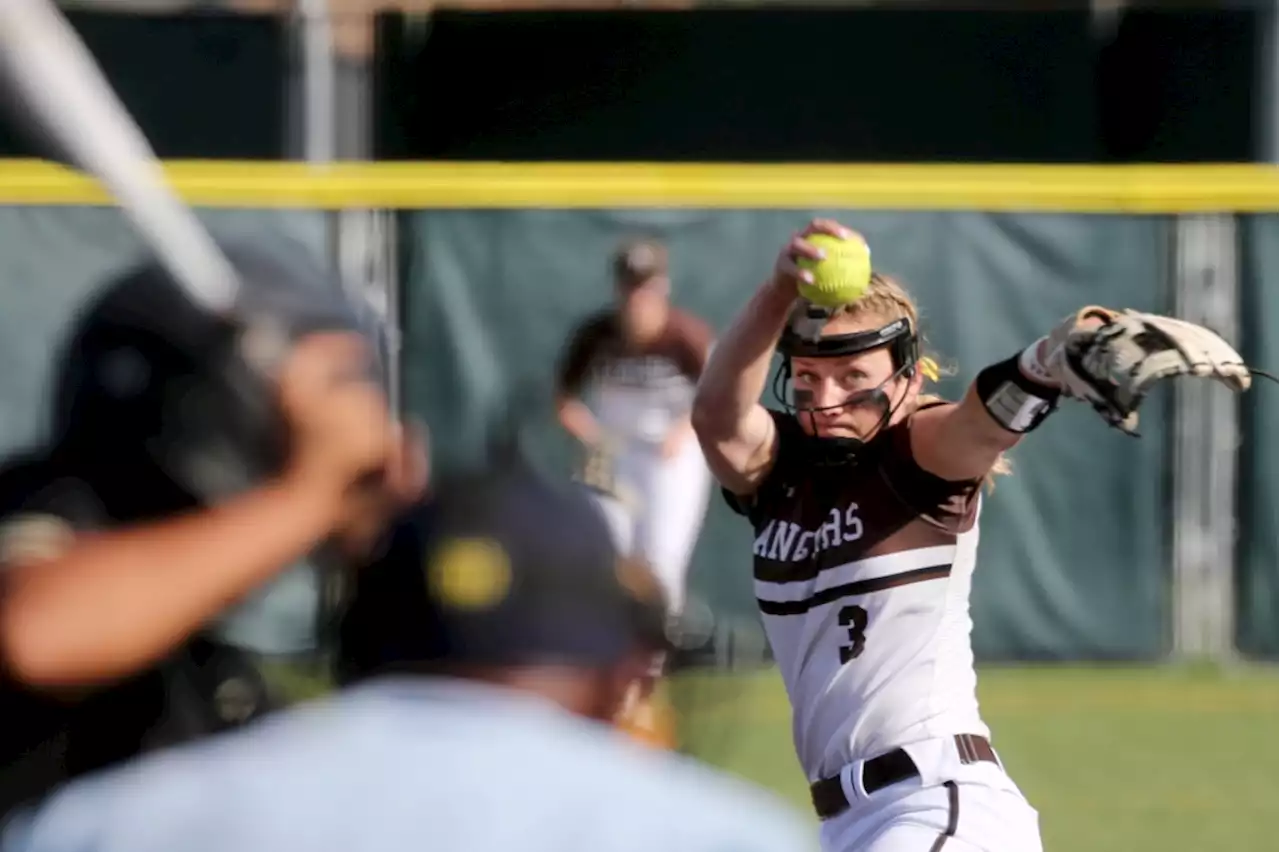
(65, 94)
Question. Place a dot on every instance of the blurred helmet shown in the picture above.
(152, 381)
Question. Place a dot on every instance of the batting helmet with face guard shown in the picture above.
(151, 377)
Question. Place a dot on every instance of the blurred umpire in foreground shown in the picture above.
(490, 658)
(177, 481)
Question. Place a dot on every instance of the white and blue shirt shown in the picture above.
(413, 764)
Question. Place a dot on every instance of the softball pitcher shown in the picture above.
(864, 496)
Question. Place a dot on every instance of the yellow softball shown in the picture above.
(842, 276)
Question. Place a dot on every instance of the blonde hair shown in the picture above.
(887, 300)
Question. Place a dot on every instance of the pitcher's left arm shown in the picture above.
(1109, 359)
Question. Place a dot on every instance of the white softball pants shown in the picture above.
(951, 807)
(671, 501)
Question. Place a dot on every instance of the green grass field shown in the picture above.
(1115, 759)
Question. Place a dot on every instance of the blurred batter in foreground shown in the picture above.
(626, 387)
(175, 485)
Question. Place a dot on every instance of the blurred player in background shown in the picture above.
(625, 388)
(176, 483)
(495, 648)
(864, 497)
(626, 384)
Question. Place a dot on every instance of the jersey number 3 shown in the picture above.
(853, 619)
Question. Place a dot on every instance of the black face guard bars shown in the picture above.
(803, 339)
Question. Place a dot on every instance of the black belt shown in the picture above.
(889, 768)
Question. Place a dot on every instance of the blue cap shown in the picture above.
(503, 567)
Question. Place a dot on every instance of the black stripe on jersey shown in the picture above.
(859, 587)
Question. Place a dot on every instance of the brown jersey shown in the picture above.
(635, 392)
(862, 576)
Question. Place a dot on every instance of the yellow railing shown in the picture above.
(1148, 189)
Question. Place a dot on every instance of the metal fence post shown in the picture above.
(1206, 437)
(333, 121)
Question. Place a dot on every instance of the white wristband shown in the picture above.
(1033, 367)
